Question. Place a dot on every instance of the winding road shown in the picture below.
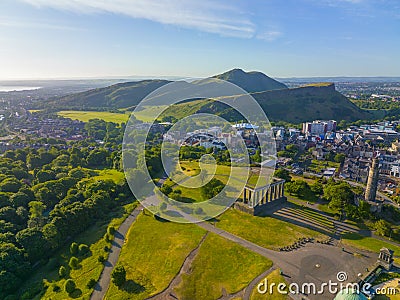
(105, 278)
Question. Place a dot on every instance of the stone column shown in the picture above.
(280, 190)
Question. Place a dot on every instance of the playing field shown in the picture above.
(85, 116)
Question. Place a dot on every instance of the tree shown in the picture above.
(298, 187)
(91, 283)
(83, 249)
(74, 248)
(317, 188)
(339, 194)
(10, 185)
(382, 228)
(339, 158)
(62, 272)
(73, 263)
(52, 235)
(283, 174)
(69, 286)
(44, 175)
(13, 268)
(118, 276)
(20, 199)
(34, 243)
(212, 188)
(36, 209)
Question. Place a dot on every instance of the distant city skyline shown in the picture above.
(44, 39)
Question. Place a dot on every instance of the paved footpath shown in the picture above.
(116, 245)
(315, 263)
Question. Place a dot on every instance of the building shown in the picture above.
(319, 127)
(257, 201)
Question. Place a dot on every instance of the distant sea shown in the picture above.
(14, 88)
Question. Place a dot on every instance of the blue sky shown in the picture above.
(100, 38)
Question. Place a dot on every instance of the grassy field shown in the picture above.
(90, 267)
(147, 114)
(182, 110)
(220, 264)
(222, 173)
(318, 166)
(85, 116)
(153, 255)
(191, 168)
(370, 244)
(115, 175)
(273, 277)
(265, 231)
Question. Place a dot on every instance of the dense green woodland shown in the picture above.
(48, 196)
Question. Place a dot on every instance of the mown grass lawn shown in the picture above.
(89, 268)
(369, 243)
(273, 277)
(267, 232)
(223, 173)
(152, 256)
(85, 116)
(318, 166)
(220, 264)
(192, 169)
(115, 175)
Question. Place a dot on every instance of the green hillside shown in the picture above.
(291, 105)
(251, 81)
(116, 96)
(310, 102)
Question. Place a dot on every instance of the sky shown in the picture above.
(44, 39)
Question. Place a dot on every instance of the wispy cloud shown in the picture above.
(270, 35)
(209, 16)
(5, 22)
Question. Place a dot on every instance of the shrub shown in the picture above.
(83, 249)
(111, 230)
(101, 259)
(62, 272)
(118, 276)
(73, 262)
(74, 248)
(69, 286)
(107, 238)
(56, 288)
(92, 282)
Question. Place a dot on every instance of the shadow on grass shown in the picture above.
(352, 236)
(186, 200)
(77, 293)
(133, 287)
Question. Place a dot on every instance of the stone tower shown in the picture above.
(372, 183)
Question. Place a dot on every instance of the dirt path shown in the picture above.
(105, 278)
(168, 293)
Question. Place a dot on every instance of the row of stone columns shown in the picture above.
(264, 195)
